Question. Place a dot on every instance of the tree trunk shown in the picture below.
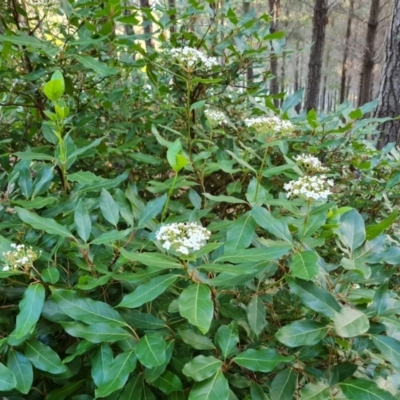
(320, 21)
(346, 52)
(366, 77)
(172, 8)
(146, 23)
(297, 76)
(249, 71)
(274, 9)
(389, 90)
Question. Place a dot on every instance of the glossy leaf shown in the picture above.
(196, 340)
(133, 389)
(96, 333)
(283, 385)
(111, 236)
(254, 255)
(350, 322)
(352, 230)
(256, 315)
(362, 389)
(302, 333)
(314, 297)
(152, 209)
(315, 391)
(150, 350)
(196, 305)
(22, 369)
(85, 309)
(227, 337)
(202, 367)
(154, 260)
(30, 309)
(389, 348)
(168, 383)
(264, 360)
(101, 360)
(148, 291)
(97, 66)
(304, 265)
(82, 221)
(109, 207)
(213, 388)
(240, 233)
(7, 379)
(44, 357)
(372, 231)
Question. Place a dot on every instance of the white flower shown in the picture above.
(190, 58)
(183, 237)
(6, 268)
(269, 125)
(309, 187)
(310, 163)
(215, 117)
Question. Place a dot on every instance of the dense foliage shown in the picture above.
(167, 233)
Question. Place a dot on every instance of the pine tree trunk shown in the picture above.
(297, 76)
(274, 9)
(346, 52)
(172, 8)
(320, 21)
(366, 77)
(146, 23)
(389, 90)
(249, 71)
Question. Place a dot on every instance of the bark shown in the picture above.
(172, 8)
(366, 78)
(389, 90)
(274, 9)
(249, 71)
(146, 23)
(296, 76)
(320, 20)
(346, 52)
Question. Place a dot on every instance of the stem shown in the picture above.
(189, 137)
(305, 222)
(259, 175)
(171, 189)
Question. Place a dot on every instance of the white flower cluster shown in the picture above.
(21, 257)
(310, 163)
(189, 58)
(310, 187)
(183, 237)
(269, 124)
(215, 117)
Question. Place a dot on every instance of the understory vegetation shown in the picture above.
(168, 232)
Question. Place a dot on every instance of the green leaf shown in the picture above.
(151, 374)
(202, 368)
(304, 265)
(240, 233)
(351, 230)
(150, 350)
(111, 237)
(256, 315)
(96, 333)
(292, 100)
(302, 333)
(44, 358)
(109, 207)
(238, 269)
(7, 379)
(155, 260)
(54, 89)
(257, 392)
(101, 361)
(50, 275)
(264, 360)
(315, 391)
(45, 224)
(372, 231)
(224, 199)
(283, 385)
(117, 373)
(213, 388)
(198, 104)
(389, 347)
(137, 319)
(362, 389)
(197, 341)
(66, 390)
(148, 291)
(196, 305)
(86, 309)
(133, 389)
(36, 203)
(241, 161)
(83, 177)
(381, 299)
(97, 66)
(227, 337)
(30, 309)
(82, 221)
(152, 209)
(22, 369)
(350, 322)
(125, 208)
(314, 297)
(168, 383)
(254, 255)
(28, 155)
